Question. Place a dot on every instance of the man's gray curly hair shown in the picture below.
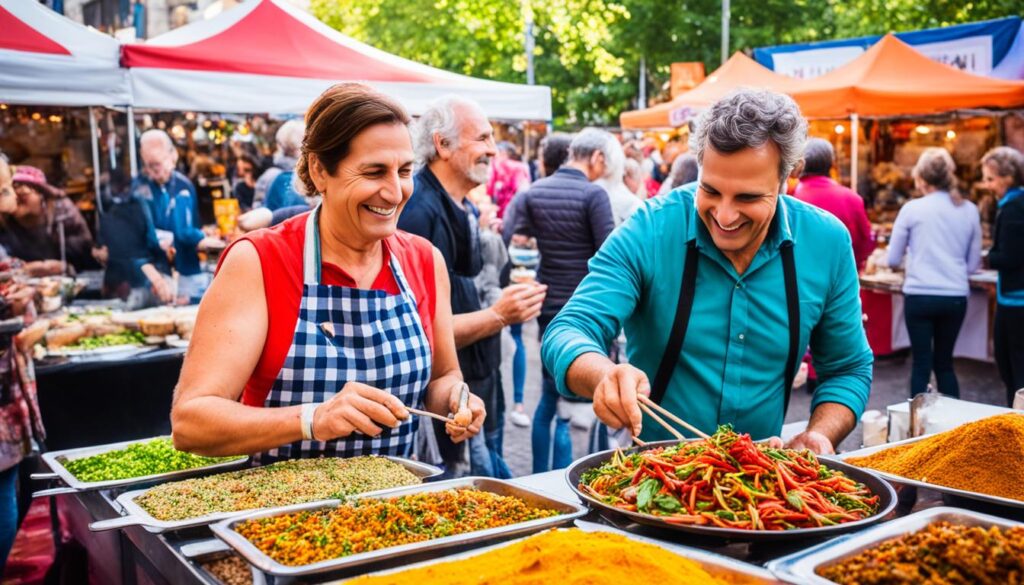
(749, 118)
(441, 117)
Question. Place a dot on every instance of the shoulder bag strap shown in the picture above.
(679, 325)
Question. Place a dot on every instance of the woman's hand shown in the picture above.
(357, 407)
(478, 413)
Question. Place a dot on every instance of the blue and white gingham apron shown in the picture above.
(379, 341)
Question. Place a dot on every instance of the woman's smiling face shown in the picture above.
(371, 185)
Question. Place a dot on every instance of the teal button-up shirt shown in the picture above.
(731, 366)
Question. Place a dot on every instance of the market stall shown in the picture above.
(269, 56)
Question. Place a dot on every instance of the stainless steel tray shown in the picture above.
(801, 567)
(1010, 503)
(135, 515)
(569, 512)
(55, 460)
(729, 570)
(886, 503)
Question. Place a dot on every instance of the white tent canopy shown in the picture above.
(48, 59)
(268, 56)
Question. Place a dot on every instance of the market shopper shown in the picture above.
(719, 287)
(454, 143)
(20, 422)
(288, 141)
(817, 187)
(570, 216)
(45, 224)
(316, 335)
(940, 235)
(553, 151)
(172, 202)
(623, 201)
(1002, 171)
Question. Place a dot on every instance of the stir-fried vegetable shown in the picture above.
(730, 482)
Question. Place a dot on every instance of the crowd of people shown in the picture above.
(701, 276)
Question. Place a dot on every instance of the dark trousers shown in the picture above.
(1009, 348)
(934, 323)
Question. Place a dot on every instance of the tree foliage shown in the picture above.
(589, 51)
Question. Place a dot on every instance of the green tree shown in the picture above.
(589, 51)
(484, 38)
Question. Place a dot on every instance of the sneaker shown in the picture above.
(519, 418)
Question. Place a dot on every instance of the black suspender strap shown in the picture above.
(682, 321)
(679, 325)
(793, 308)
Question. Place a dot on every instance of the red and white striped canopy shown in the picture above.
(268, 56)
(48, 59)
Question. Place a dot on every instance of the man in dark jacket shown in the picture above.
(455, 143)
(570, 217)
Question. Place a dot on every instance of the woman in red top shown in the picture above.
(317, 335)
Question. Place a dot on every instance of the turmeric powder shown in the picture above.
(983, 456)
(565, 557)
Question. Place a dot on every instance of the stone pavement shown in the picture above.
(979, 382)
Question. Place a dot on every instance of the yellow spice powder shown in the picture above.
(985, 456)
(562, 557)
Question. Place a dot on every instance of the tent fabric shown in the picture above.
(892, 79)
(46, 58)
(738, 71)
(268, 56)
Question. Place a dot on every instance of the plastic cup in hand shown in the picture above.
(1018, 400)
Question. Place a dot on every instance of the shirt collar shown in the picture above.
(779, 232)
(1011, 195)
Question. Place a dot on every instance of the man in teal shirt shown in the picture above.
(738, 342)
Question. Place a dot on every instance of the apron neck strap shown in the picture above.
(311, 248)
(312, 261)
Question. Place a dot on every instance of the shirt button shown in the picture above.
(739, 285)
(741, 337)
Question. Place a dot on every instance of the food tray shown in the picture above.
(225, 530)
(887, 503)
(137, 516)
(55, 459)
(899, 479)
(119, 350)
(725, 568)
(800, 567)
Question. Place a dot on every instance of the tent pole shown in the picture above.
(93, 132)
(854, 148)
(131, 143)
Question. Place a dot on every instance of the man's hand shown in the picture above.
(210, 243)
(101, 254)
(615, 397)
(520, 302)
(163, 290)
(20, 296)
(813, 440)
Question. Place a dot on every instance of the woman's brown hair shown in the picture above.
(936, 167)
(335, 119)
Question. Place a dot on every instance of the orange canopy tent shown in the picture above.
(893, 79)
(738, 71)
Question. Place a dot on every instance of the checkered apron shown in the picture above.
(379, 341)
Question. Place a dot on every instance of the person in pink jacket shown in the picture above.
(819, 189)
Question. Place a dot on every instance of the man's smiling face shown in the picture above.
(736, 198)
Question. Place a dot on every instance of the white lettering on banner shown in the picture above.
(680, 116)
(814, 62)
(970, 54)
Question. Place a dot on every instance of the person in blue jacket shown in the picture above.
(171, 198)
(720, 286)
